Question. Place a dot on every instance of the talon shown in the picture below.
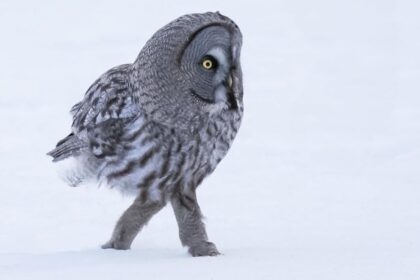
(204, 249)
(113, 245)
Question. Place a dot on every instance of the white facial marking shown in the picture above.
(221, 95)
(234, 53)
(221, 57)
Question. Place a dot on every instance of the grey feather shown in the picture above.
(69, 146)
(157, 127)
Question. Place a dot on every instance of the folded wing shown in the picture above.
(100, 118)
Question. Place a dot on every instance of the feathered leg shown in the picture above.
(192, 231)
(131, 222)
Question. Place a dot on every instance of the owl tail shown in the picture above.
(67, 147)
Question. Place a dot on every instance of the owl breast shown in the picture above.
(155, 160)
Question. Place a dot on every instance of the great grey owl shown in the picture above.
(157, 127)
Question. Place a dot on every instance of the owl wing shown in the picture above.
(100, 118)
(109, 97)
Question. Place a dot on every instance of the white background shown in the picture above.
(322, 181)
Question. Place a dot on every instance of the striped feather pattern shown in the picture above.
(141, 126)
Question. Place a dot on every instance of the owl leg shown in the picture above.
(131, 222)
(192, 231)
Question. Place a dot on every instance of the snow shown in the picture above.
(321, 183)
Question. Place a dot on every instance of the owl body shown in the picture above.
(140, 156)
(157, 127)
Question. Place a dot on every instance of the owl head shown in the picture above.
(190, 70)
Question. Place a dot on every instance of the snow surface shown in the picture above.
(321, 183)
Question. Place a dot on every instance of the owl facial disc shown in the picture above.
(209, 59)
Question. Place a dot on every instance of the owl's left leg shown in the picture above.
(192, 231)
(131, 222)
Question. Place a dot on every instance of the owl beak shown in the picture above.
(229, 82)
(230, 92)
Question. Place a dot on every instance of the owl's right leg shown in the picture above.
(192, 231)
(131, 222)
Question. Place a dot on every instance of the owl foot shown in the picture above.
(117, 245)
(203, 249)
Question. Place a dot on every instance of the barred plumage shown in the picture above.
(156, 128)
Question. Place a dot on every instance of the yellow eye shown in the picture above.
(207, 64)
